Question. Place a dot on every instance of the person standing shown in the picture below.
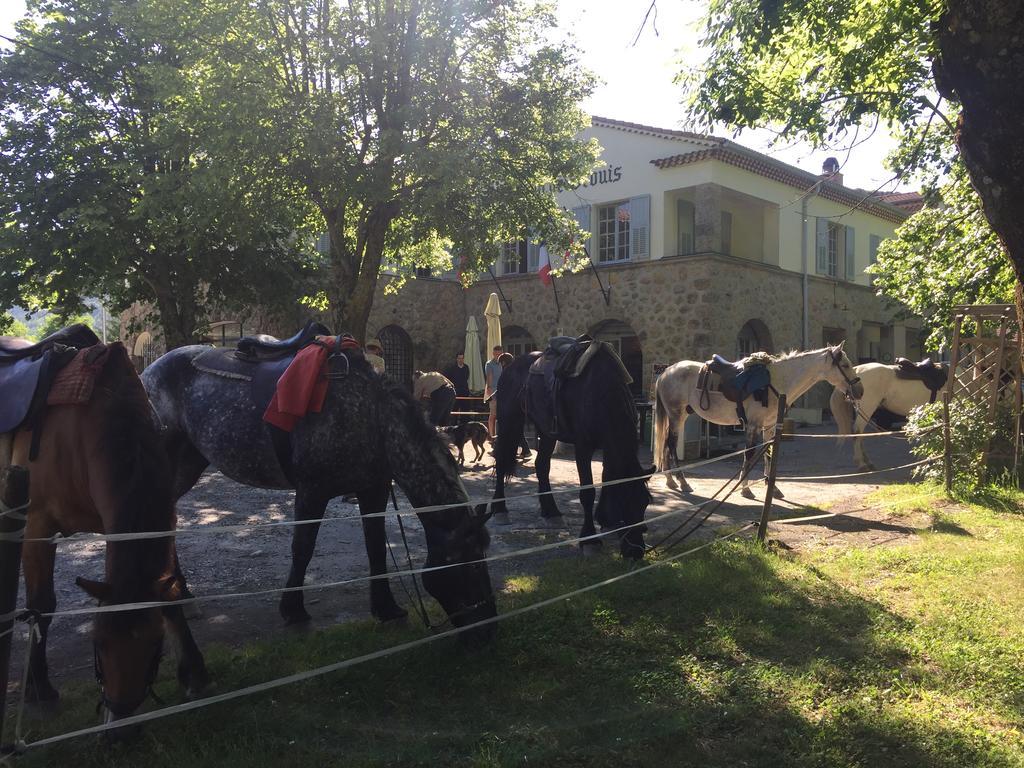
(374, 354)
(458, 375)
(492, 373)
(439, 390)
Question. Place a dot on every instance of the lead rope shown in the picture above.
(408, 558)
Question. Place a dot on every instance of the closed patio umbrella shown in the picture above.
(473, 358)
(493, 314)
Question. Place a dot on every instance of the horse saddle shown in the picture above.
(28, 372)
(259, 360)
(265, 347)
(736, 381)
(261, 374)
(927, 372)
(565, 358)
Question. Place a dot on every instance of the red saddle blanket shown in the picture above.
(75, 382)
(303, 386)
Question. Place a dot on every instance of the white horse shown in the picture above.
(676, 395)
(881, 389)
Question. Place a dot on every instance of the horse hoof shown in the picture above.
(392, 615)
(776, 493)
(552, 521)
(686, 488)
(501, 518)
(746, 493)
(867, 468)
(591, 548)
(295, 617)
(192, 611)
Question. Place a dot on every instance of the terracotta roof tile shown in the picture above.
(651, 130)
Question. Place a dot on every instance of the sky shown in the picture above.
(636, 81)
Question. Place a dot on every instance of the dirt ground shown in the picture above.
(246, 561)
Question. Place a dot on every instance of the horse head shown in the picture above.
(127, 645)
(462, 583)
(842, 374)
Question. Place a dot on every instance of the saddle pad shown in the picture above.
(18, 382)
(260, 375)
(221, 361)
(75, 383)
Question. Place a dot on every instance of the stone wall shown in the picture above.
(680, 308)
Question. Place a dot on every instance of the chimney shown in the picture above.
(830, 171)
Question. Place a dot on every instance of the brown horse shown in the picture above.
(101, 468)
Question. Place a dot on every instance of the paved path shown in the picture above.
(259, 559)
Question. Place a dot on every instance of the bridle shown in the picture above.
(154, 668)
(850, 382)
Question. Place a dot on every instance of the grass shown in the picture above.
(910, 655)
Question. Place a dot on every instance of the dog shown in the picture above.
(469, 432)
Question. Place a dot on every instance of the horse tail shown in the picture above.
(511, 419)
(842, 412)
(661, 429)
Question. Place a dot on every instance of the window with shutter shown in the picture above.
(582, 216)
(613, 232)
(851, 257)
(640, 227)
(821, 246)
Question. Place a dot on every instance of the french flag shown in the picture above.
(544, 270)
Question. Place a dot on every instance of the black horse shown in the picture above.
(595, 412)
(368, 432)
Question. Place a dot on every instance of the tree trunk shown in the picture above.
(177, 308)
(353, 287)
(980, 62)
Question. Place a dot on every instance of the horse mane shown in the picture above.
(138, 477)
(791, 353)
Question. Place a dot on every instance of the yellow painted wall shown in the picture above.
(772, 235)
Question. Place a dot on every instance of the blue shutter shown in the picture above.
(851, 260)
(640, 227)
(873, 242)
(821, 246)
(582, 216)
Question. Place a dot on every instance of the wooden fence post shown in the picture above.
(14, 495)
(773, 464)
(947, 447)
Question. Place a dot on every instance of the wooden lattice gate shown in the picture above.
(985, 368)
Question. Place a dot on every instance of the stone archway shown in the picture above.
(397, 346)
(626, 343)
(754, 336)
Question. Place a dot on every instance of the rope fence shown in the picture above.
(736, 480)
(374, 656)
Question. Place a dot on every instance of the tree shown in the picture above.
(55, 321)
(820, 70)
(11, 326)
(105, 186)
(944, 255)
(415, 129)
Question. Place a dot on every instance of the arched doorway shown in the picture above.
(627, 344)
(517, 340)
(753, 337)
(397, 354)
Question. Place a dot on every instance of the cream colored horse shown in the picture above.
(881, 389)
(676, 395)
